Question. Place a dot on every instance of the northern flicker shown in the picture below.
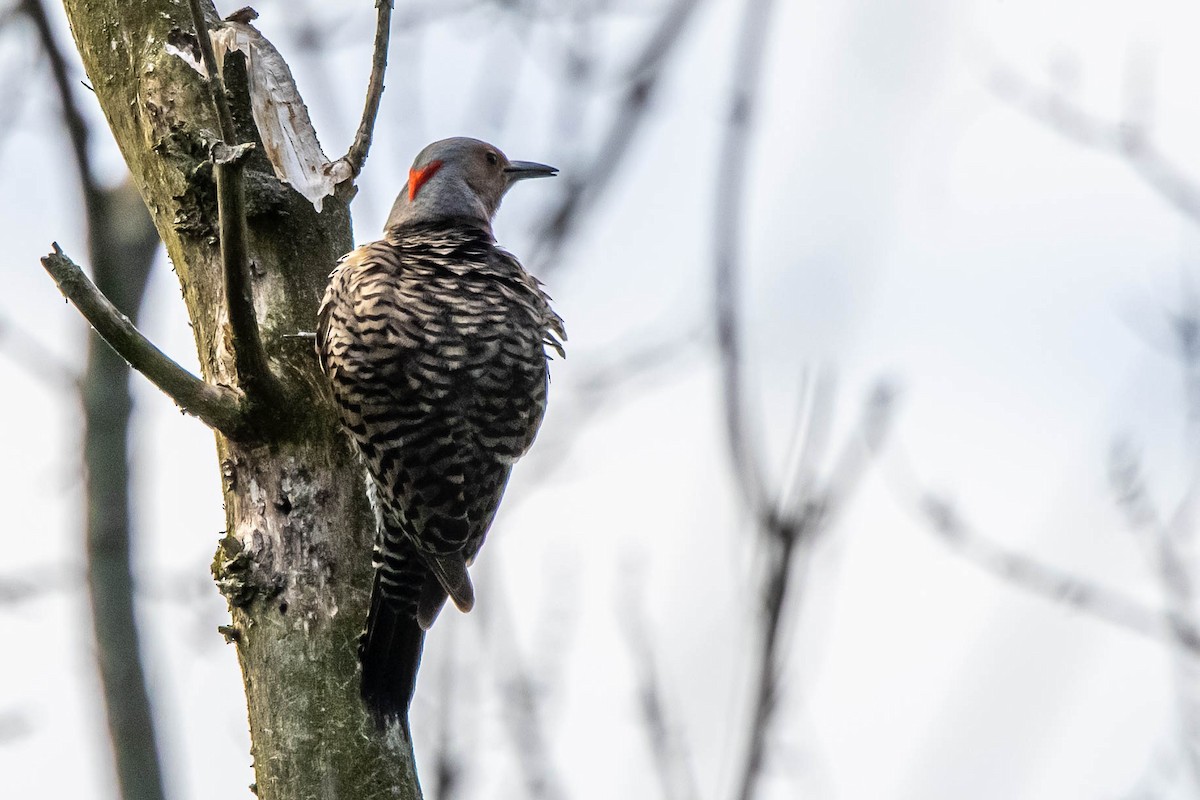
(434, 343)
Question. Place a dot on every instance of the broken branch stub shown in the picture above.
(289, 138)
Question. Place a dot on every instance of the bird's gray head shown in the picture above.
(459, 179)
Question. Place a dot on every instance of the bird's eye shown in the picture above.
(492, 158)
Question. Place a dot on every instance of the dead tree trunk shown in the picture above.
(295, 563)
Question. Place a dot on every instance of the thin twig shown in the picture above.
(1128, 140)
(1052, 583)
(766, 681)
(216, 85)
(791, 531)
(356, 156)
(217, 406)
(1177, 579)
(33, 583)
(586, 183)
(521, 697)
(594, 390)
(671, 758)
(781, 535)
(650, 356)
(108, 541)
(580, 48)
(122, 267)
(1171, 542)
(249, 357)
(73, 120)
(729, 192)
(848, 469)
(808, 444)
(38, 360)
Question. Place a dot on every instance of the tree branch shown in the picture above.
(218, 407)
(108, 543)
(580, 193)
(791, 529)
(216, 85)
(1168, 542)
(1051, 583)
(122, 242)
(249, 357)
(806, 507)
(356, 156)
(1127, 140)
(28, 352)
(670, 752)
(729, 193)
(73, 120)
(521, 697)
(765, 684)
(254, 376)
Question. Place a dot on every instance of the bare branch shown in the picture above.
(216, 85)
(636, 362)
(809, 442)
(27, 351)
(1177, 576)
(594, 389)
(847, 472)
(119, 236)
(765, 682)
(671, 759)
(726, 243)
(33, 583)
(585, 183)
(1128, 141)
(73, 120)
(249, 357)
(521, 697)
(357, 154)
(218, 407)
(1022, 571)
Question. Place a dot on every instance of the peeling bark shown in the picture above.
(295, 564)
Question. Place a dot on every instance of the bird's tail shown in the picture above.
(390, 652)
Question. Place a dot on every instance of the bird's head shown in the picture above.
(459, 179)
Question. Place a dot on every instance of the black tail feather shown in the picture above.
(390, 652)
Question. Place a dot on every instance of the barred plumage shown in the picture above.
(434, 343)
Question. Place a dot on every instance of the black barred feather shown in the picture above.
(390, 653)
(434, 342)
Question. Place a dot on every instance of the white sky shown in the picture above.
(903, 223)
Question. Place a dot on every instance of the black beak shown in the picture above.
(520, 170)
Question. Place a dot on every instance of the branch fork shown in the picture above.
(218, 406)
(245, 411)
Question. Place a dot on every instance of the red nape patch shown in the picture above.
(418, 177)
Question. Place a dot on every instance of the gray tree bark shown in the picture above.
(295, 561)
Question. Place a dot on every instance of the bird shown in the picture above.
(435, 343)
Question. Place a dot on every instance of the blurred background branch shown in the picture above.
(853, 236)
(585, 182)
(1130, 138)
(122, 245)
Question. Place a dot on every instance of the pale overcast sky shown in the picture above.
(903, 222)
